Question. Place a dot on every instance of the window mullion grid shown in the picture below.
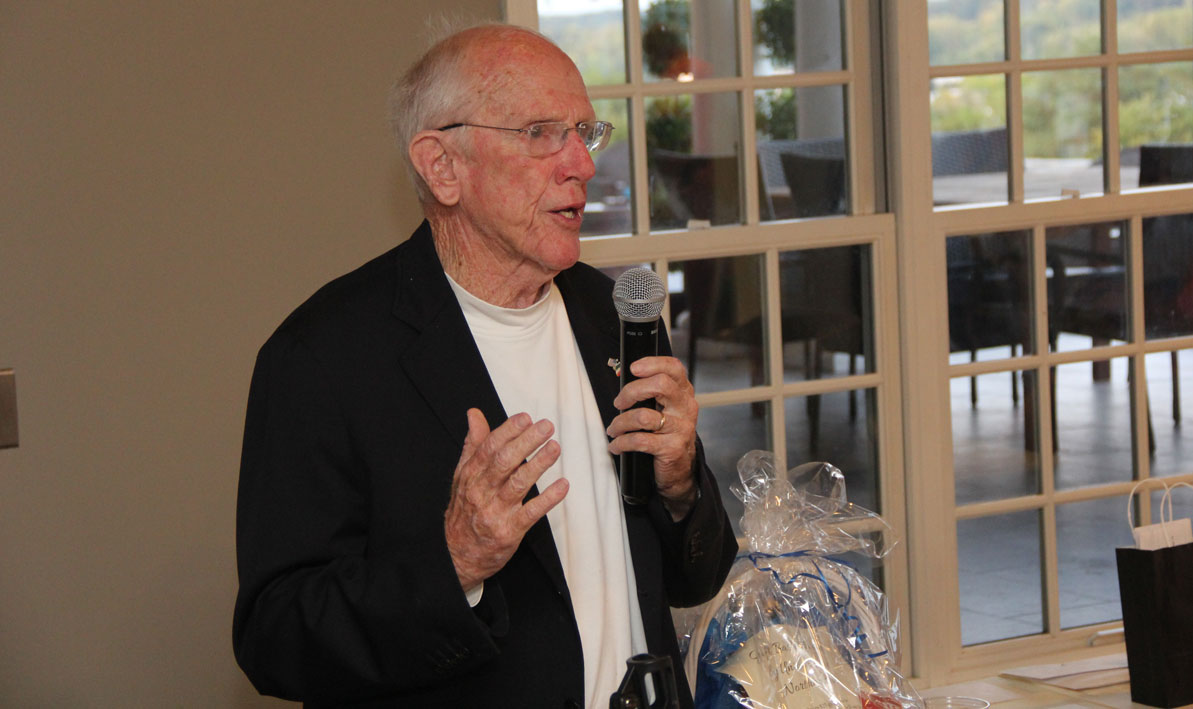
(1014, 89)
(1111, 148)
(747, 138)
(1110, 134)
(1048, 560)
(1044, 373)
(521, 12)
(1014, 44)
(1045, 412)
(1015, 169)
(639, 180)
(859, 122)
(774, 357)
(1139, 407)
(663, 267)
(888, 400)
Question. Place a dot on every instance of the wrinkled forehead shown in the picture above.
(530, 79)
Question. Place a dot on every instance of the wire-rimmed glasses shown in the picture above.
(543, 139)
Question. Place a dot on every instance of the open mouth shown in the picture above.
(569, 213)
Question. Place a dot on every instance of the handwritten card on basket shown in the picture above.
(792, 667)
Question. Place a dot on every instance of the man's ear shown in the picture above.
(435, 165)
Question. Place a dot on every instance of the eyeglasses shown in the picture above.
(543, 139)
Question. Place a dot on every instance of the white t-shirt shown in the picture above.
(535, 365)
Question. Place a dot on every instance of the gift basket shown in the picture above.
(797, 625)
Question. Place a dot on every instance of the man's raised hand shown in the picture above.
(486, 519)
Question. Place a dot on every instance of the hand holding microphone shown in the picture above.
(655, 435)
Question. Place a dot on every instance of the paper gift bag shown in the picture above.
(1156, 589)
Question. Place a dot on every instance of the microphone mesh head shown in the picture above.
(638, 295)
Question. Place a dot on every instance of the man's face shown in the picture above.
(527, 210)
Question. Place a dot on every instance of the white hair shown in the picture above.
(438, 89)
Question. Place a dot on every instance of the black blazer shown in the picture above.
(354, 427)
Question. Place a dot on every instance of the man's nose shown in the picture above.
(576, 161)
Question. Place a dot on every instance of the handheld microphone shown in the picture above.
(638, 296)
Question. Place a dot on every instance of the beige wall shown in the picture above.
(174, 178)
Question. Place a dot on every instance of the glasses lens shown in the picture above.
(595, 134)
(544, 138)
(549, 138)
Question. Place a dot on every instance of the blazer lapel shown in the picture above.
(598, 340)
(443, 362)
(446, 366)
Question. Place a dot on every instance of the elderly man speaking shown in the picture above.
(429, 512)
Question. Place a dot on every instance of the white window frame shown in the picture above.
(938, 655)
(863, 226)
(912, 371)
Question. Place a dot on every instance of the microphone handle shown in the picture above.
(638, 340)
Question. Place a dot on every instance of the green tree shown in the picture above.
(669, 124)
(774, 28)
(666, 26)
(969, 103)
(774, 114)
(1062, 111)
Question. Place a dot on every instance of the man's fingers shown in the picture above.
(514, 451)
(537, 507)
(478, 428)
(638, 419)
(493, 442)
(649, 366)
(494, 459)
(527, 474)
(642, 442)
(661, 378)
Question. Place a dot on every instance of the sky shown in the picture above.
(576, 7)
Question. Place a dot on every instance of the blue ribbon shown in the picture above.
(854, 623)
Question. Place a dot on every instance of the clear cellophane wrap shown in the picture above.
(797, 625)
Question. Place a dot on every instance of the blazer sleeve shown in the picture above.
(317, 611)
(698, 550)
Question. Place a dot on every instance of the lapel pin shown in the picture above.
(615, 365)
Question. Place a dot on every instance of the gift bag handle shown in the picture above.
(1131, 497)
(1167, 501)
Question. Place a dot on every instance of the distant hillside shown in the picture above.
(595, 41)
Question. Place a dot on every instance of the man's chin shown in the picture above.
(566, 253)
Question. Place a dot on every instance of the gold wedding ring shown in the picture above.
(662, 420)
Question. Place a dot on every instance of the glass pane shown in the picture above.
(1148, 26)
(1155, 117)
(716, 321)
(994, 436)
(1087, 285)
(610, 207)
(839, 428)
(868, 566)
(803, 167)
(1169, 382)
(998, 564)
(965, 31)
(969, 139)
(1062, 133)
(1049, 30)
(799, 36)
(592, 33)
(989, 296)
(684, 40)
(1092, 431)
(1168, 276)
(693, 157)
(729, 432)
(827, 314)
(1182, 504)
(615, 272)
(1087, 534)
